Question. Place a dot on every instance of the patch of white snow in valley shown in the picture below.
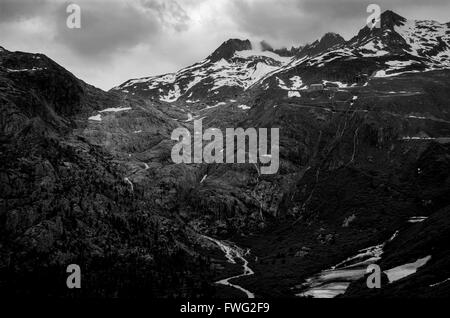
(339, 84)
(418, 138)
(215, 106)
(417, 219)
(400, 64)
(96, 118)
(292, 94)
(204, 178)
(383, 73)
(34, 69)
(406, 270)
(335, 281)
(115, 110)
(416, 117)
(244, 107)
(295, 84)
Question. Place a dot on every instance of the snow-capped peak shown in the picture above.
(229, 48)
(233, 67)
(397, 35)
(398, 46)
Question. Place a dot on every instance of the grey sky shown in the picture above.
(126, 39)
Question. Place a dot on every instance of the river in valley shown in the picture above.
(234, 253)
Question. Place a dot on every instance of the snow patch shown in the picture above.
(417, 219)
(292, 94)
(244, 107)
(254, 53)
(115, 110)
(406, 270)
(96, 118)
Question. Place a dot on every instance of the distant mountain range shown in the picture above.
(398, 46)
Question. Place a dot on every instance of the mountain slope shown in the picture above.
(349, 152)
(231, 69)
(399, 46)
(66, 201)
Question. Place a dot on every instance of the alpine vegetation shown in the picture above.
(236, 150)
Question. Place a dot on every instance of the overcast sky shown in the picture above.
(119, 40)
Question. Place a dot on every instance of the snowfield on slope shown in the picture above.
(242, 70)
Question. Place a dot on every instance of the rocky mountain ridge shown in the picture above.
(398, 46)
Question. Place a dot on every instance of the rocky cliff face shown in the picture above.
(327, 42)
(229, 48)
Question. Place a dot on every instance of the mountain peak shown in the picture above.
(390, 19)
(391, 15)
(327, 41)
(332, 39)
(285, 52)
(331, 35)
(228, 48)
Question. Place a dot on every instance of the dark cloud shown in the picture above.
(170, 13)
(292, 22)
(12, 10)
(107, 28)
(300, 21)
(337, 9)
(269, 19)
